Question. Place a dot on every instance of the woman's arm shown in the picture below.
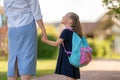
(52, 43)
(41, 25)
(36, 12)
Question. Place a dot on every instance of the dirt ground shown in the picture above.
(96, 70)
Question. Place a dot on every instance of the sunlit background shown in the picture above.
(103, 35)
(88, 10)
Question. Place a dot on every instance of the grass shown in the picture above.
(3, 76)
(43, 67)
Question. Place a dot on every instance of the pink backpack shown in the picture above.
(81, 53)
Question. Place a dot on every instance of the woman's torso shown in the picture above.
(18, 12)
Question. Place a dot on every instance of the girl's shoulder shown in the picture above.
(67, 32)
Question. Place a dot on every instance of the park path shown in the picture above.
(96, 70)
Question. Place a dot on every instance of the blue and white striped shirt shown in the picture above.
(22, 12)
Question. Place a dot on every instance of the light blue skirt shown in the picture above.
(22, 46)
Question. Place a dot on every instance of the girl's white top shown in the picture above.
(22, 12)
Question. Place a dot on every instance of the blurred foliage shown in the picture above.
(114, 8)
(45, 51)
(101, 48)
(3, 46)
(50, 30)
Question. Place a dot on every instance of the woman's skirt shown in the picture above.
(22, 47)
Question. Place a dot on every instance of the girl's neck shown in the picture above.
(67, 25)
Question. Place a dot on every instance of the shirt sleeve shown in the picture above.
(64, 34)
(35, 9)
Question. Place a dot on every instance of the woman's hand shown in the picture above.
(41, 25)
(44, 35)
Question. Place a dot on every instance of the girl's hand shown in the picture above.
(43, 39)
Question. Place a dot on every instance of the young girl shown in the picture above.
(71, 21)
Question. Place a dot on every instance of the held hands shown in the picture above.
(44, 35)
(44, 39)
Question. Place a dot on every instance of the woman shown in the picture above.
(22, 37)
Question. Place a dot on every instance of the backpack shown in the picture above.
(81, 53)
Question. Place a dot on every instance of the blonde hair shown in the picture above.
(76, 23)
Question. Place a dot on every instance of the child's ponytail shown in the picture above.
(76, 24)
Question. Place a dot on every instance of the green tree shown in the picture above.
(113, 7)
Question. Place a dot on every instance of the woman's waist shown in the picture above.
(19, 21)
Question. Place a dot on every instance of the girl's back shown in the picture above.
(63, 65)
